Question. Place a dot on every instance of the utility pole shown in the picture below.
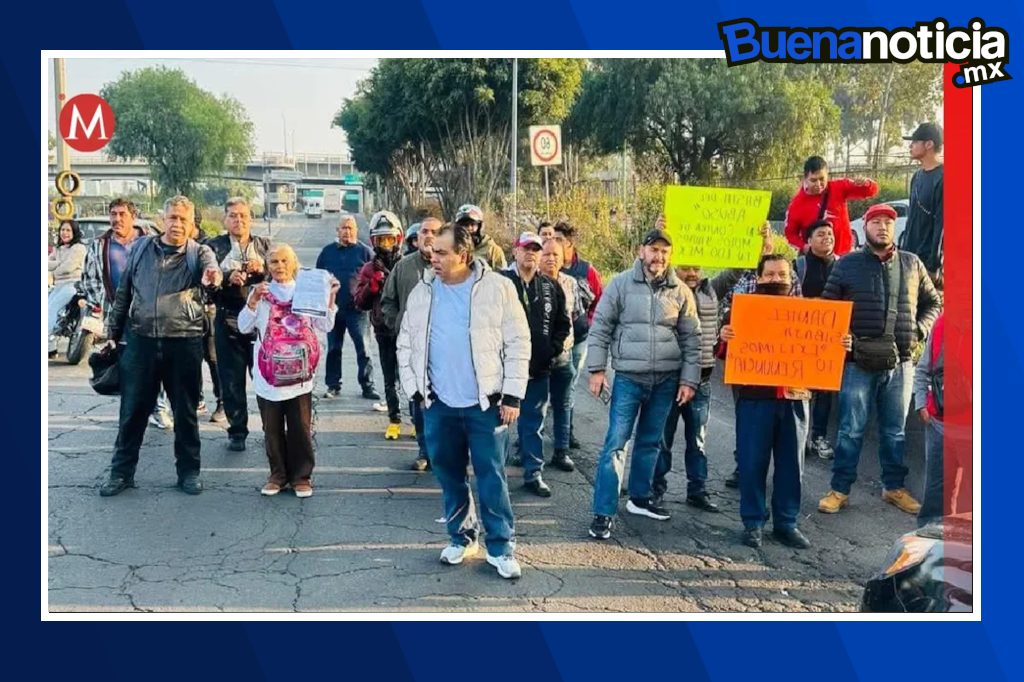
(547, 194)
(515, 138)
(59, 95)
(622, 178)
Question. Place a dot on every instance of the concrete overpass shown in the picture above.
(328, 169)
(279, 175)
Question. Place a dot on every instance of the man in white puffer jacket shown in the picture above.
(464, 353)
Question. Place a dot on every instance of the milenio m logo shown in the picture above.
(86, 123)
(981, 52)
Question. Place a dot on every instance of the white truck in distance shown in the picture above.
(332, 199)
(314, 207)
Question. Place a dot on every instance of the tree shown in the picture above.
(446, 123)
(218, 193)
(878, 102)
(182, 131)
(704, 119)
(51, 141)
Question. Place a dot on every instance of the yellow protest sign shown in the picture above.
(787, 341)
(715, 227)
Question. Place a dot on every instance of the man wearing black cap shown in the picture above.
(923, 235)
(647, 321)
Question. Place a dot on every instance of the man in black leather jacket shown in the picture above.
(158, 312)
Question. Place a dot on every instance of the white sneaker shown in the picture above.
(507, 566)
(649, 509)
(454, 554)
(161, 421)
(380, 407)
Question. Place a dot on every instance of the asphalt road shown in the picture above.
(368, 538)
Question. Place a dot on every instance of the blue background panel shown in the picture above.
(566, 651)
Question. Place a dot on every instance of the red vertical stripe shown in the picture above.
(959, 288)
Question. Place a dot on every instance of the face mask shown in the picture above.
(385, 254)
(773, 289)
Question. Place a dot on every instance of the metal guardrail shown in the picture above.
(266, 159)
(99, 160)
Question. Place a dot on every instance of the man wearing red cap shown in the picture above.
(894, 307)
(543, 301)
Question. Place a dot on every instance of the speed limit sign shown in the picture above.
(546, 145)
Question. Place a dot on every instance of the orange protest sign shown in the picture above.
(787, 341)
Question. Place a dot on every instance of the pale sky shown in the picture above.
(307, 93)
(302, 95)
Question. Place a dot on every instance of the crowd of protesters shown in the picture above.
(480, 347)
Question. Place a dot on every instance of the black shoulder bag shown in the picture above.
(881, 354)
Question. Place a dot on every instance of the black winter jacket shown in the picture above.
(862, 278)
(230, 298)
(160, 294)
(544, 303)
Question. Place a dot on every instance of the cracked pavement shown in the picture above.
(368, 539)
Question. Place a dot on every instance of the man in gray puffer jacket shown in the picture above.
(707, 292)
(647, 321)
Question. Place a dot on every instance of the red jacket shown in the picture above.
(804, 209)
(368, 292)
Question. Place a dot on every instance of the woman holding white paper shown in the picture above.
(286, 354)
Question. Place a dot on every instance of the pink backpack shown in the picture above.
(290, 351)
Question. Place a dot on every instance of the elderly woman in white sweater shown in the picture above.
(285, 402)
(65, 270)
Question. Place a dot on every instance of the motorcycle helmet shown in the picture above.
(469, 214)
(412, 238)
(106, 372)
(385, 224)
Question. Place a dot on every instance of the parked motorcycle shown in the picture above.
(81, 323)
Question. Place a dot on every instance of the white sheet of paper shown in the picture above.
(312, 293)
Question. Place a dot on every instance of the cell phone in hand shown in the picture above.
(606, 395)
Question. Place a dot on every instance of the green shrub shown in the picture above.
(609, 233)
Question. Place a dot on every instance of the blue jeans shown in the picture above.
(416, 411)
(629, 399)
(820, 413)
(889, 392)
(56, 302)
(563, 384)
(354, 322)
(579, 359)
(532, 410)
(695, 416)
(771, 429)
(456, 436)
(933, 505)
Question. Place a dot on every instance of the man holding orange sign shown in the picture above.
(779, 346)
